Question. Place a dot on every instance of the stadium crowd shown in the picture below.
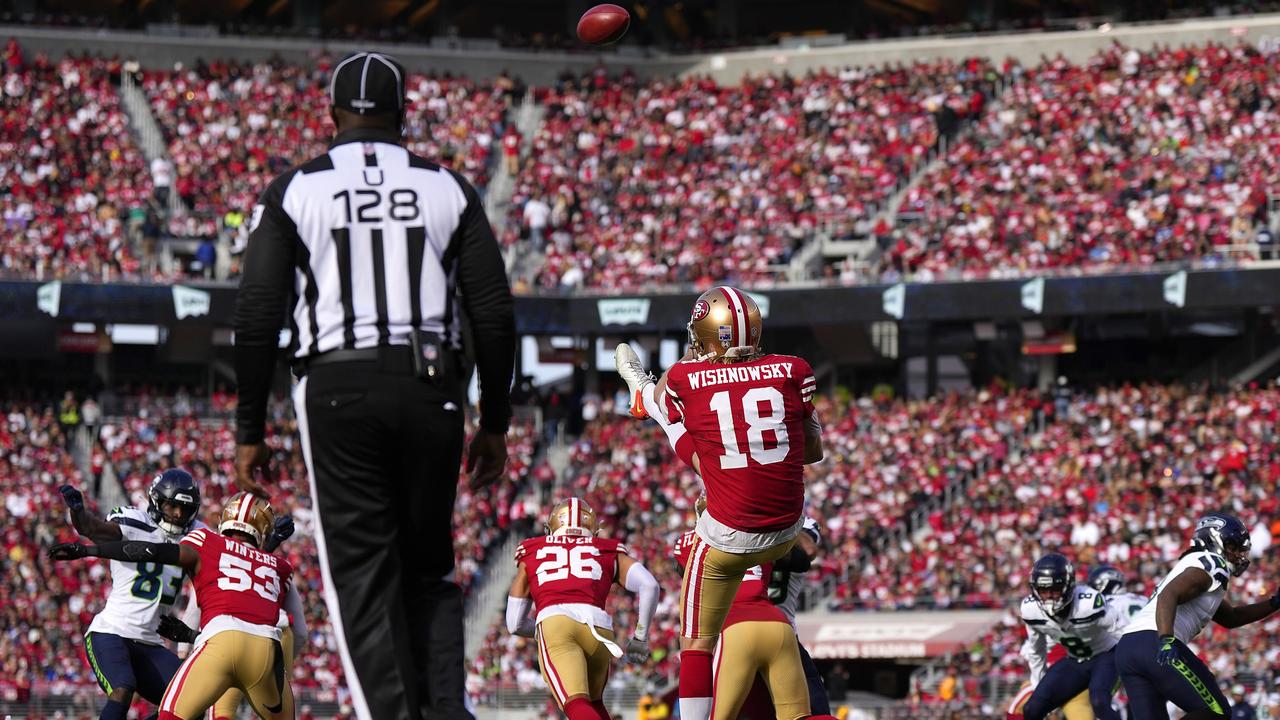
(1129, 158)
(1028, 472)
(73, 185)
(635, 183)
(231, 127)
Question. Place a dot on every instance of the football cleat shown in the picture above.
(571, 517)
(725, 325)
(634, 374)
(249, 514)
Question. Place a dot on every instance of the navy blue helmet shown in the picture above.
(1106, 579)
(1224, 535)
(174, 486)
(1053, 580)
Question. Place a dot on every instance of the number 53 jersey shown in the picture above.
(140, 592)
(571, 575)
(238, 587)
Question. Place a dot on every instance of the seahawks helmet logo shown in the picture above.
(1212, 521)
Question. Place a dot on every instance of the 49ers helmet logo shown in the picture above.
(700, 309)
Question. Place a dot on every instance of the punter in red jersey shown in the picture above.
(749, 428)
(757, 644)
(240, 590)
(565, 576)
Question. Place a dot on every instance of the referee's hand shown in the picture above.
(486, 458)
(248, 459)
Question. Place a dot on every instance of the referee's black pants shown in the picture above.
(383, 449)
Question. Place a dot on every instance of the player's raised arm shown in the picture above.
(297, 617)
(634, 576)
(95, 529)
(133, 551)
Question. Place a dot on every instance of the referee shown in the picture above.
(379, 254)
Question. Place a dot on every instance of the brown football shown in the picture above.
(603, 24)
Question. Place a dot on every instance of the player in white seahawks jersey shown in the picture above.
(785, 585)
(1085, 624)
(1154, 661)
(1110, 581)
(126, 653)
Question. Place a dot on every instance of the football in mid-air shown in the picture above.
(603, 24)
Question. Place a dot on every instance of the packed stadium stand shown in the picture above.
(1130, 158)
(73, 178)
(231, 127)
(685, 181)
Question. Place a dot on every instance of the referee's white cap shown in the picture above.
(368, 83)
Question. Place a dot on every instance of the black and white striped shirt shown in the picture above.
(370, 241)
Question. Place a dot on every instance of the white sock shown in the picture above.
(695, 708)
(674, 431)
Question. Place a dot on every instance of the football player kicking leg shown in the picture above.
(565, 577)
(121, 644)
(716, 568)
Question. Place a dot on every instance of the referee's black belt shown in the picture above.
(388, 357)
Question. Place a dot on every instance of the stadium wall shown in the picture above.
(1172, 291)
(727, 67)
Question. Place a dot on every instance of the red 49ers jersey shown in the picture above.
(570, 568)
(746, 420)
(237, 579)
(751, 603)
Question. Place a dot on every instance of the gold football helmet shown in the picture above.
(571, 517)
(250, 514)
(725, 325)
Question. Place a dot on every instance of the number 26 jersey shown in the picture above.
(238, 587)
(571, 575)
